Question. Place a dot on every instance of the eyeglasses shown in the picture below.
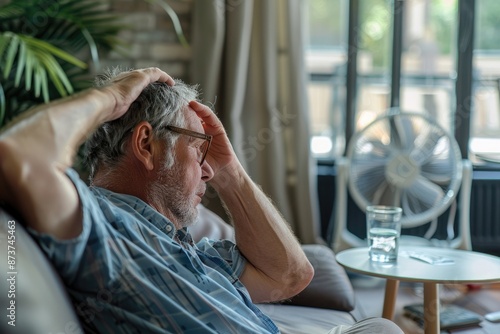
(203, 149)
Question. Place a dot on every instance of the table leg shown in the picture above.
(431, 308)
(391, 291)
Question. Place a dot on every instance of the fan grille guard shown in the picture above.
(407, 160)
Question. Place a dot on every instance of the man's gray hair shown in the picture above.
(158, 104)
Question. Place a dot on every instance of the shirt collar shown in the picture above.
(142, 209)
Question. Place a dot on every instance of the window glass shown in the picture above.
(485, 118)
(428, 68)
(428, 59)
(325, 60)
(374, 57)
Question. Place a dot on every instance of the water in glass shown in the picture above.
(383, 244)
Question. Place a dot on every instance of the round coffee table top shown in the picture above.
(461, 267)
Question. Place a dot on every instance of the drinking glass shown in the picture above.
(384, 229)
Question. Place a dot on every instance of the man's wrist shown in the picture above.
(230, 177)
(104, 102)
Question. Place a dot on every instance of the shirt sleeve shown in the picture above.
(67, 255)
(225, 249)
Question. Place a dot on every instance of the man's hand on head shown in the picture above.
(127, 86)
(221, 152)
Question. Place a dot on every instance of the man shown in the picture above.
(121, 245)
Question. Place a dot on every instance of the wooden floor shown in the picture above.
(480, 299)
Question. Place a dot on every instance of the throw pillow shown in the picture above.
(330, 287)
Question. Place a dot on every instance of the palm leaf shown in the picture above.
(174, 18)
(33, 56)
(71, 24)
(38, 80)
(10, 10)
(28, 71)
(50, 65)
(94, 53)
(4, 42)
(42, 61)
(21, 63)
(48, 48)
(2, 104)
(90, 21)
(13, 44)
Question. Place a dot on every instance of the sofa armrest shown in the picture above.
(33, 295)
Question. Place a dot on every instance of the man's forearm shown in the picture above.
(54, 131)
(263, 237)
(34, 152)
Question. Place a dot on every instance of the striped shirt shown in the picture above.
(131, 271)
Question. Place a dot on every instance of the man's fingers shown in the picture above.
(160, 76)
(144, 76)
(151, 74)
(205, 113)
(127, 86)
(199, 107)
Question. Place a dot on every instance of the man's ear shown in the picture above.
(142, 144)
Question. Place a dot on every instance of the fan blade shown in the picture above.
(370, 155)
(440, 171)
(429, 145)
(376, 198)
(368, 180)
(387, 194)
(421, 196)
(372, 149)
(402, 132)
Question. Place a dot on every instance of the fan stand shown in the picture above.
(344, 239)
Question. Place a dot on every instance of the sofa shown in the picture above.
(33, 299)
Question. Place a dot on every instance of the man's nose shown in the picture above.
(207, 173)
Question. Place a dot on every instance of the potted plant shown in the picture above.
(39, 41)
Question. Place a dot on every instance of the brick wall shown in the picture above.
(151, 36)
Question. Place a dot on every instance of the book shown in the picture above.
(450, 316)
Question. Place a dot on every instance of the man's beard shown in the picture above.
(170, 192)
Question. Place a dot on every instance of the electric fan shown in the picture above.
(407, 160)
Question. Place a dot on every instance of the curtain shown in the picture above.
(248, 61)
